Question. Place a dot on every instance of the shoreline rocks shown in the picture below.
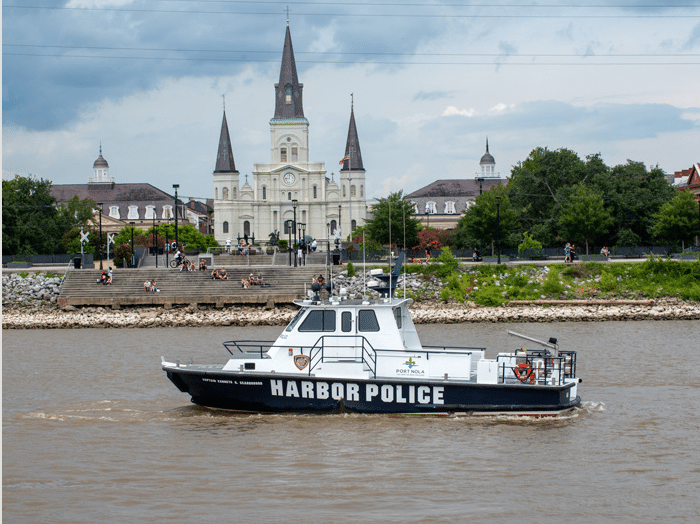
(52, 317)
(29, 302)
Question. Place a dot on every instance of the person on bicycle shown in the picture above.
(178, 257)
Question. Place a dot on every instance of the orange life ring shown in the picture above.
(523, 371)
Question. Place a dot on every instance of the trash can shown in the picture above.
(76, 262)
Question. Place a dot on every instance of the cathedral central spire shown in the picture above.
(288, 91)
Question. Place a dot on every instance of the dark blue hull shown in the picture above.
(273, 393)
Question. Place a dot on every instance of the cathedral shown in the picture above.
(289, 187)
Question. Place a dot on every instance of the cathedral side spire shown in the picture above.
(353, 157)
(288, 91)
(224, 156)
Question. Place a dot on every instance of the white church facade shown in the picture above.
(289, 187)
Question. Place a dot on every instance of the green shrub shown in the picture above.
(489, 296)
(351, 269)
(552, 285)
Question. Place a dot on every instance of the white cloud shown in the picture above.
(452, 110)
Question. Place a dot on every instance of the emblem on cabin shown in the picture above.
(410, 363)
(301, 361)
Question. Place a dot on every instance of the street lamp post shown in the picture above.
(303, 235)
(100, 241)
(300, 229)
(176, 239)
(155, 236)
(133, 253)
(339, 221)
(166, 247)
(328, 254)
(294, 227)
(498, 227)
(288, 224)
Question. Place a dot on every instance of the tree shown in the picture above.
(633, 196)
(437, 238)
(392, 221)
(583, 215)
(30, 220)
(481, 221)
(677, 220)
(536, 183)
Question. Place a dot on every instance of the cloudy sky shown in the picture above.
(431, 80)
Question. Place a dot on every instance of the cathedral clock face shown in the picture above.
(289, 178)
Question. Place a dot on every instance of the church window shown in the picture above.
(114, 212)
(362, 191)
(430, 208)
(353, 191)
(345, 193)
(275, 227)
(246, 228)
(450, 208)
(224, 193)
(353, 226)
(288, 94)
(334, 226)
(216, 193)
(133, 213)
(315, 192)
(167, 212)
(289, 195)
(225, 225)
(287, 227)
(295, 154)
(234, 193)
(150, 212)
(264, 195)
(283, 154)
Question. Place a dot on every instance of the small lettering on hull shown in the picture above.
(387, 393)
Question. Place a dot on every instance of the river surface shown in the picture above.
(93, 431)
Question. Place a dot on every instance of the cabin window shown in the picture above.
(296, 319)
(346, 321)
(397, 316)
(319, 320)
(367, 320)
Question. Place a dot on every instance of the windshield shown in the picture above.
(296, 319)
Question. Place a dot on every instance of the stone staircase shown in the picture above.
(283, 284)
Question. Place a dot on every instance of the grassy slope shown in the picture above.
(492, 285)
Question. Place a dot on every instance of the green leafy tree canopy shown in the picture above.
(389, 216)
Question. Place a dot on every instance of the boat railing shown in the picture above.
(256, 348)
(323, 351)
(537, 367)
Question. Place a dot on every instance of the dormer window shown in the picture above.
(430, 208)
(114, 212)
(450, 208)
(167, 212)
(133, 213)
(150, 212)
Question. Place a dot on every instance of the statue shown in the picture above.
(274, 238)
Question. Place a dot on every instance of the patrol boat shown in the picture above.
(365, 356)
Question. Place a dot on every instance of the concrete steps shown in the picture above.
(282, 285)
